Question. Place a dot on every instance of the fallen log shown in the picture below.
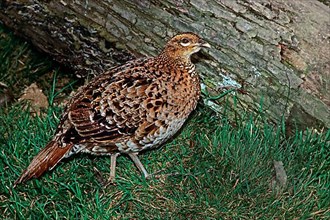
(272, 55)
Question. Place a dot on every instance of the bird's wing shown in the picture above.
(111, 107)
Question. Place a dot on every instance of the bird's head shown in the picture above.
(182, 46)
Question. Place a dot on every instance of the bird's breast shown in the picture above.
(166, 111)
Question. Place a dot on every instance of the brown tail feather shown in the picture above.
(46, 159)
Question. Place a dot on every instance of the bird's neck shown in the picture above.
(175, 60)
(178, 68)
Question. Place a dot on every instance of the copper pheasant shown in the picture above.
(128, 109)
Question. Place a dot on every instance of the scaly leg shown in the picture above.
(138, 164)
(113, 167)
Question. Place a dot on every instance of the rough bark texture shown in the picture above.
(275, 53)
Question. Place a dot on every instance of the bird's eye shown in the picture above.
(184, 42)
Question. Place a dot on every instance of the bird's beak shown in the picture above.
(207, 45)
(202, 43)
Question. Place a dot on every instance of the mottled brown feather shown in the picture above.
(130, 108)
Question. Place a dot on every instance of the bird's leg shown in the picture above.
(138, 164)
(113, 167)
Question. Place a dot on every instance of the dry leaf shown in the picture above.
(5, 95)
(36, 99)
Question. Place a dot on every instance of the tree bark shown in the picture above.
(273, 54)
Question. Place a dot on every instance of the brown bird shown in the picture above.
(128, 109)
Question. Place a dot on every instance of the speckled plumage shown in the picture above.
(130, 108)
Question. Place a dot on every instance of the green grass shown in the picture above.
(211, 170)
